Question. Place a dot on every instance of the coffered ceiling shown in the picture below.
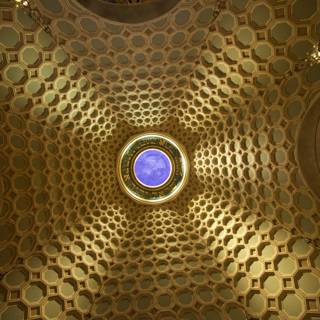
(228, 80)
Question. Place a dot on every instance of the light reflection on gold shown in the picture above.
(162, 197)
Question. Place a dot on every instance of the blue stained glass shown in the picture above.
(152, 168)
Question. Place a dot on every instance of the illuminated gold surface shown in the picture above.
(185, 169)
(235, 244)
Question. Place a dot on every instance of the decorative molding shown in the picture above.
(178, 178)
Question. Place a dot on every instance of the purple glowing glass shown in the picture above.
(152, 168)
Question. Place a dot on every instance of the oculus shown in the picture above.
(152, 168)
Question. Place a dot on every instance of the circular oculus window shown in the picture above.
(152, 168)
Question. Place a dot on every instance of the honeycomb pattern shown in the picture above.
(241, 240)
(140, 69)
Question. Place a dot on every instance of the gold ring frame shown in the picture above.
(180, 164)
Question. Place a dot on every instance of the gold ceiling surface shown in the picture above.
(239, 242)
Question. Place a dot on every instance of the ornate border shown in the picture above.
(180, 168)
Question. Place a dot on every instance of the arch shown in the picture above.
(308, 146)
(129, 13)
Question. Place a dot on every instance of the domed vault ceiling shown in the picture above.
(240, 242)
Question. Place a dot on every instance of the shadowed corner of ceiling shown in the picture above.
(129, 11)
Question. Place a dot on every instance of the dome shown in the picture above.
(208, 108)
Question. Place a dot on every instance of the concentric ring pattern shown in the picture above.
(239, 242)
(177, 168)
